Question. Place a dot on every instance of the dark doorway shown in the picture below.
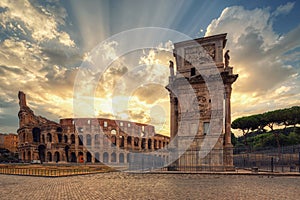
(56, 157)
(88, 157)
(97, 157)
(73, 157)
(42, 153)
(67, 152)
(49, 157)
(36, 134)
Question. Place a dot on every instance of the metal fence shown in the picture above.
(285, 159)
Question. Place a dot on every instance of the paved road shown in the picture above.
(149, 186)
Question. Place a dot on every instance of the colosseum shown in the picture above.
(86, 140)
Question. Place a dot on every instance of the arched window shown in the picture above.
(121, 158)
(49, 157)
(66, 139)
(97, 140)
(97, 157)
(113, 141)
(56, 156)
(129, 141)
(49, 137)
(88, 139)
(73, 139)
(149, 143)
(88, 157)
(80, 139)
(136, 141)
(59, 136)
(122, 141)
(73, 157)
(36, 134)
(105, 157)
(59, 130)
(113, 132)
(113, 157)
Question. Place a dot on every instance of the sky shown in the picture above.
(48, 48)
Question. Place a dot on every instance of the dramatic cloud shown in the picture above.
(41, 23)
(265, 61)
(284, 9)
(38, 57)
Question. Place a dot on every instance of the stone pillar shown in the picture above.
(227, 114)
(172, 110)
(228, 148)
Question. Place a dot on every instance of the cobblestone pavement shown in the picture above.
(149, 186)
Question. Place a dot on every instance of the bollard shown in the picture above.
(299, 162)
(272, 164)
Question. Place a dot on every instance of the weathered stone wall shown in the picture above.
(200, 99)
(83, 139)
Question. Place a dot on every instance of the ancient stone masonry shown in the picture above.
(84, 140)
(200, 93)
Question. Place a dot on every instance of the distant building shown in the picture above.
(84, 140)
(2, 141)
(9, 142)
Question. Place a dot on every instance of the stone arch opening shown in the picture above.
(65, 138)
(149, 144)
(29, 156)
(73, 139)
(59, 130)
(97, 140)
(88, 139)
(136, 141)
(67, 152)
(122, 140)
(42, 153)
(73, 157)
(121, 158)
(129, 141)
(97, 157)
(59, 137)
(36, 134)
(113, 141)
(56, 156)
(88, 157)
(49, 156)
(105, 157)
(80, 139)
(113, 157)
(143, 143)
(113, 132)
(49, 137)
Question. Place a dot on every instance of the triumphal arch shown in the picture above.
(200, 92)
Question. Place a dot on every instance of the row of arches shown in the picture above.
(79, 157)
(123, 141)
(89, 140)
